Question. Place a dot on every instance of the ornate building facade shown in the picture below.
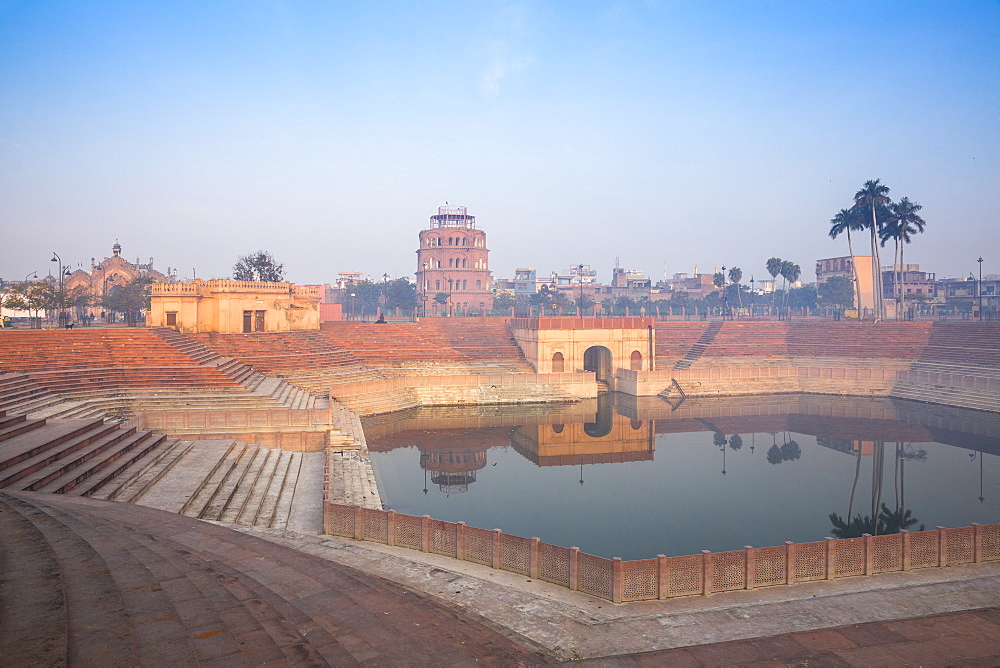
(108, 275)
(453, 273)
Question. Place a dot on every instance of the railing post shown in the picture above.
(617, 580)
(390, 527)
(942, 536)
(460, 541)
(533, 558)
(707, 574)
(789, 562)
(662, 577)
(977, 544)
(495, 544)
(831, 558)
(750, 567)
(869, 553)
(574, 568)
(904, 545)
(359, 523)
(425, 533)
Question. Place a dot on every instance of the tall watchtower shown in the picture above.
(452, 260)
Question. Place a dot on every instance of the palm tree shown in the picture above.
(774, 268)
(874, 197)
(904, 222)
(790, 272)
(735, 275)
(847, 220)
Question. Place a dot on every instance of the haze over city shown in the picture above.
(660, 134)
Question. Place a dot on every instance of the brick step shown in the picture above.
(107, 465)
(59, 440)
(57, 461)
(226, 492)
(207, 488)
(121, 463)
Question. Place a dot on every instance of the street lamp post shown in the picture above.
(725, 296)
(753, 296)
(33, 274)
(57, 259)
(979, 288)
(579, 277)
(352, 306)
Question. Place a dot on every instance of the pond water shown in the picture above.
(633, 478)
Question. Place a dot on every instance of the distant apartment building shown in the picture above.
(452, 261)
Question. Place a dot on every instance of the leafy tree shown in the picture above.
(33, 297)
(735, 442)
(804, 297)
(735, 276)
(774, 455)
(130, 298)
(503, 302)
(873, 198)
(774, 268)
(441, 298)
(836, 291)
(370, 296)
(847, 220)
(259, 266)
(719, 439)
(719, 279)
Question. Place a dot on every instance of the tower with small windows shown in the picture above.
(453, 272)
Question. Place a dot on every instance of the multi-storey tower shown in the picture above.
(453, 272)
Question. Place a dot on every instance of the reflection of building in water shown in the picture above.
(847, 445)
(453, 469)
(610, 438)
(451, 456)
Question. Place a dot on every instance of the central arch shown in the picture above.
(599, 360)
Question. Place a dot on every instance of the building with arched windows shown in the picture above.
(453, 273)
(110, 274)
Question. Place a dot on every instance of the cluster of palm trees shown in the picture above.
(788, 270)
(884, 220)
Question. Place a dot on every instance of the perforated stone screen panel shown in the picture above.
(769, 566)
(810, 562)
(923, 549)
(989, 537)
(444, 538)
(685, 575)
(850, 557)
(515, 554)
(408, 532)
(595, 575)
(340, 520)
(553, 564)
(375, 525)
(887, 553)
(959, 545)
(479, 546)
(729, 570)
(639, 580)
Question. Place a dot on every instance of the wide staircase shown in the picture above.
(221, 480)
(433, 346)
(959, 365)
(305, 359)
(91, 583)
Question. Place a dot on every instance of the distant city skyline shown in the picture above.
(663, 134)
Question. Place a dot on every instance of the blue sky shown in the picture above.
(661, 134)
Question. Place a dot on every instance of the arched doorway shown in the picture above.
(635, 362)
(599, 360)
(558, 363)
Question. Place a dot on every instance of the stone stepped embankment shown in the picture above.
(86, 582)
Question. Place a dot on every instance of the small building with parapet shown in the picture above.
(232, 307)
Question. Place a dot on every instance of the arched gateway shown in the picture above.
(599, 345)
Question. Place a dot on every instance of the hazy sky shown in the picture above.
(665, 134)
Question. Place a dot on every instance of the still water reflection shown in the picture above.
(634, 478)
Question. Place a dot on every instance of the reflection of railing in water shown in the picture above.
(667, 577)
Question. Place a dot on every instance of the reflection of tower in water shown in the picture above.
(453, 469)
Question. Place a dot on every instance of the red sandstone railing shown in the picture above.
(667, 577)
